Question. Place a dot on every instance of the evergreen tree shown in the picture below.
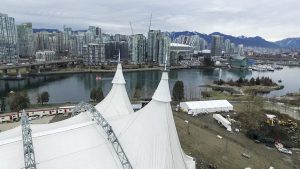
(252, 81)
(240, 80)
(93, 94)
(257, 81)
(178, 91)
(99, 94)
(3, 106)
(138, 91)
(45, 97)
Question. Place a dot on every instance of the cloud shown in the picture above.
(268, 18)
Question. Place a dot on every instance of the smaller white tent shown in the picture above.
(209, 106)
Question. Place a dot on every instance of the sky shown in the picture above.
(270, 19)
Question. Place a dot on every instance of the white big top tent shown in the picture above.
(116, 103)
(148, 136)
(209, 106)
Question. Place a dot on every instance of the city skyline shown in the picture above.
(249, 18)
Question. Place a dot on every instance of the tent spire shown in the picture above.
(119, 60)
(166, 61)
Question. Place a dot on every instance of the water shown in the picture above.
(77, 87)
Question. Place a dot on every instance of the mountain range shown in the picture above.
(289, 43)
(256, 41)
(35, 30)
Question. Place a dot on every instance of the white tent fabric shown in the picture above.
(73, 143)
(149, 136)
(210, 106)
(116, 103)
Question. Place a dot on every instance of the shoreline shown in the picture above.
(96, 71)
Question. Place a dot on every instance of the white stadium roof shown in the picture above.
(148, 136)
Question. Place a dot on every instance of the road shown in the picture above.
(5, 67)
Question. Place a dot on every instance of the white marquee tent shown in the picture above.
(148, 136)
(209, 106)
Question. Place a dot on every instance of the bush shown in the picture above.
(19, 101)
(205, 94)
(219, 82)
(42, 98)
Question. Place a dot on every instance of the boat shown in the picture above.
(262, 68)
(269, 68)
(277, 66)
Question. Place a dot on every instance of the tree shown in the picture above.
(93, 94)
(45, 97)
(178, 91)
(38, 98)
(138, 91)
(257, 81)
(208, 61)
(240, 80)
(99, 94)
(19, 101)
(252, 81)
(3, 106)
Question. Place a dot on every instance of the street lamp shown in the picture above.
(188, 127)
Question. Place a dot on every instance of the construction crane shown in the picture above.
(150, 21)
(131, 28)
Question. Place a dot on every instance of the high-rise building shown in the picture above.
(113, 48)
(202, 44)
(93, 54)
(227, 48)
(158, 47)
(241, 50)
(41, 40)
(216, 45)
(67, 38)
(77, 42)
(25, 40)
(138, 49)
(52, 41)
(60, 42)
(94, 35)
(153, 45)
(8, 39)
(164, 49)
(232, 49)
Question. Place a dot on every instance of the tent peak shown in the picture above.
(119, 78)
(162, 93)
